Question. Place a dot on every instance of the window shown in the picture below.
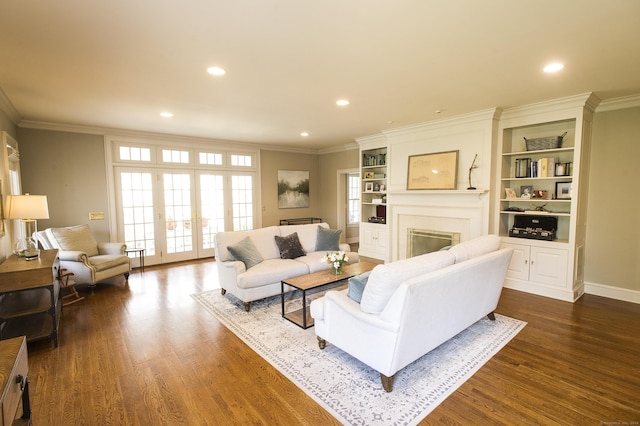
(134, 153)
(175, 156)
(241, 160)
(353, 198)
(210, 159)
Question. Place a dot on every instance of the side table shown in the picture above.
(139, 252)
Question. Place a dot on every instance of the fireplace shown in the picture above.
(422, 241)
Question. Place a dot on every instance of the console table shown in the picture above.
(14, 382)
(30, 298)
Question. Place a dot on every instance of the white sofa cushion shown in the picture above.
(385, 279)
(475, 247)
(262, 238)
(271, 271)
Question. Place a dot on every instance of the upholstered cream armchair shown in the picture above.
(88, 260)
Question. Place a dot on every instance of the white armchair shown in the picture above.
(88, 260)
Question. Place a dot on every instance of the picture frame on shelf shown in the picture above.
(510, 193)
(383, 187)
(526, 191)
(438, 170)
(540, 194)
(563, 190)
(368, 187)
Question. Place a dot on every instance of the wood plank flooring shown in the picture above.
(147, 354)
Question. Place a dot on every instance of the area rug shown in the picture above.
(347, 388)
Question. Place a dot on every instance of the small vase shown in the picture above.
(338, 270)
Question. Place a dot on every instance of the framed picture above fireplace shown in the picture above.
(433, 171)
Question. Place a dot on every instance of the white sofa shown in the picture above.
(411, 306)
(263, 279)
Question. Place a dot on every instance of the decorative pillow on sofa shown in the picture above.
(328, 239)
(357, 285)
(475, 247)
(246, 252)
(385, 279)
(289, 246)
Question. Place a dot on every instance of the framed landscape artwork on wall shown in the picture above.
(293, 189)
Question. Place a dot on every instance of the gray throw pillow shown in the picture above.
(289, 246)
(328, 239)
(357, 285)
(246, 252)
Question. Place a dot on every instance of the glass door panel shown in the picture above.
(211, 200)
(178, 202)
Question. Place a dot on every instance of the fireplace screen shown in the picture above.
(422, 241)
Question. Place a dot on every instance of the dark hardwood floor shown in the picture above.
(147, 354)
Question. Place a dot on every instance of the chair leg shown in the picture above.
(126, 276)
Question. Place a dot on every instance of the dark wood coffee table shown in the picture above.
(302, 317)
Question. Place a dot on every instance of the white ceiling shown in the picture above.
(119, 63)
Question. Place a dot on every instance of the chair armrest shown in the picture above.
(111, 248)
(73, 256)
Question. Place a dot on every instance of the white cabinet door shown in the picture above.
(548, 266)
(538, 264)
(374, 241)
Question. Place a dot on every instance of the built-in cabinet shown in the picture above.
(374, 233)
(545, 182)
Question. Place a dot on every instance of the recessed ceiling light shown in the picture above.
(217, 71)
(166, 114)
(554, 67)
(305, 134)
(342, 102)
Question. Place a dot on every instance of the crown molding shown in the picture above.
(115, 132)
(7, 107)
(619, 103)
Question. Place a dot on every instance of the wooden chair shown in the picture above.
(66, 283)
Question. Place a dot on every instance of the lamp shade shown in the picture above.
(27, 207)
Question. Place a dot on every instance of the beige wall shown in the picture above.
(70, 169)
(328, 184)
(270, 163)
(613, 232)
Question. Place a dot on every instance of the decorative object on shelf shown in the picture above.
(433, 171)
(523, 167)
(473, 166)
(383, 187)
(293, 189)
(510, 193)
(526, 191)
(548, 142)
(28, 208)
(563, 190)
(563, 169)
(368, 187)
(369, 175)
(540, 194)
(337, 259)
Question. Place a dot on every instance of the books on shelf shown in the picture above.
(542, 167)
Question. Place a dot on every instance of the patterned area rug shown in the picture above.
(348, 389)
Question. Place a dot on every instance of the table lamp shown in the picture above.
(27, 208)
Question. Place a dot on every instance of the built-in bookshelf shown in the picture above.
(544, 183)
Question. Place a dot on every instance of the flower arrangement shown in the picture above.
(337, 259)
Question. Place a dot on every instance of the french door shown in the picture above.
(174, 214)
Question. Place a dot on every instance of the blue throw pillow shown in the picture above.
(357, 285)
(328, 239)
(246, 252)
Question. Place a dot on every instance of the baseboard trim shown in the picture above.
(617, 293)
